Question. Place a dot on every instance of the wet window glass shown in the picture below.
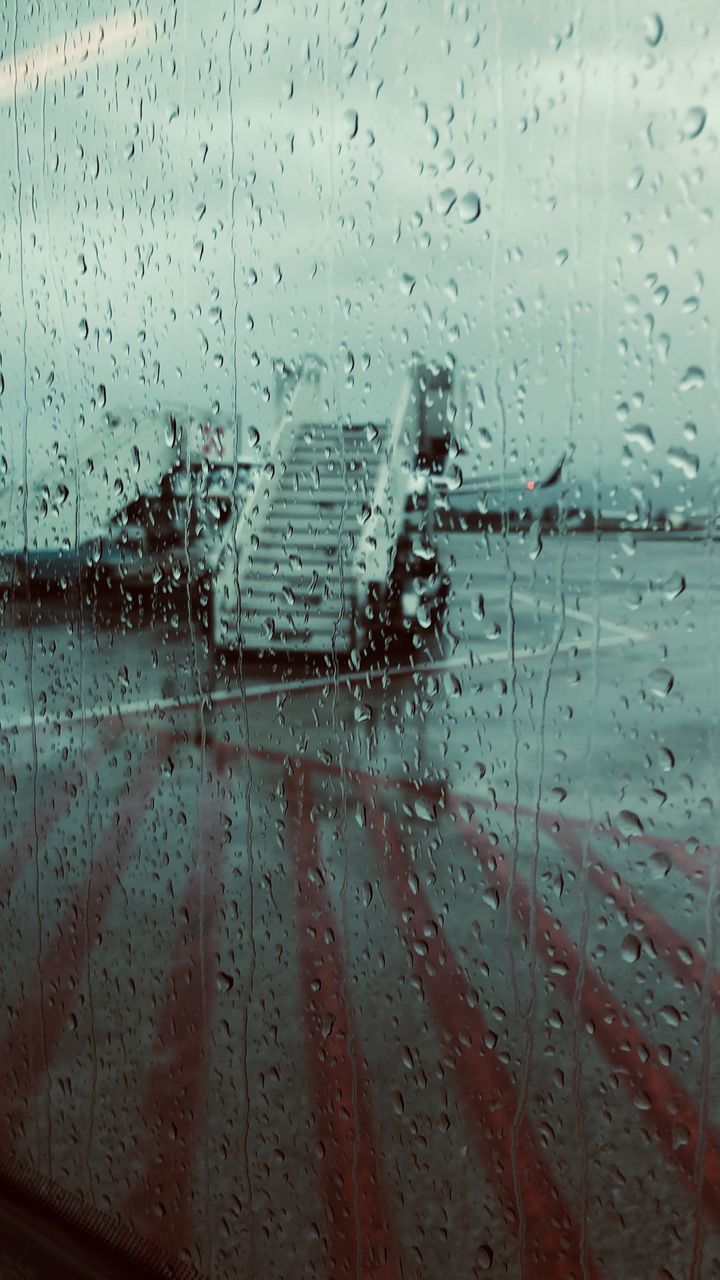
(359, 600)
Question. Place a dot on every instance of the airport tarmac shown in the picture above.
(331, 969)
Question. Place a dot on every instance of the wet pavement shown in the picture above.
(377, 970)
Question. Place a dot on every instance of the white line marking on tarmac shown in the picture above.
(631, 633)
(131, 710)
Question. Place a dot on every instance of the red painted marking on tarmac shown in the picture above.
(438, 791)
(659, 930)
(651, 1085)
(350, 1169)
(25, 1055)
(162, 1207)
(693, 868)
(552, 1242)
(16, 857)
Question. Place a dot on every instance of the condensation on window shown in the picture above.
(358, 601)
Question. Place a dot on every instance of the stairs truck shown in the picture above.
(333, 547)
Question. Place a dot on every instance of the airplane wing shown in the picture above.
(497, 481)
(554, 476)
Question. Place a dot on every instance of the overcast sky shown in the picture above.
(529, 190)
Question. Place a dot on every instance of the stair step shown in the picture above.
(304, 581)
(329, 512)
(304, 640)
(302, 568)
(304, 488)
(353, 459)
(314, 551)
(301, 481)
(315, 522)
(326, 511)
(310, 553)
(347, 519)
(285, 510)
(354, 462)
(311, 606)
(268, 624)
(332, 511)
(289, 560)
(273, 624)
(280, 536)
(302, 586)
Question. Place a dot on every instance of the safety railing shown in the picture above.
(377, 547)
(242, 530)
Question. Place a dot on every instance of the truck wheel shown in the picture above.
(371, 623)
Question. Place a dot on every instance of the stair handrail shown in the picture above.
(265, 483)
(376, 550)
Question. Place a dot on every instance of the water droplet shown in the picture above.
(654, 29)
(660, 864)
(446, 200)
(661, 681)
(675, 586)
(630, 949)
(693, 378)
(694, 122)
(671, 1015)
(641, 434)
(350, 124)
(469, 207)
(680, 1138)
(629, 822)
(688, 463)
(485, 1257)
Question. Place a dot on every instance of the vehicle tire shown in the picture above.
(368, 620)
(440, 609)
